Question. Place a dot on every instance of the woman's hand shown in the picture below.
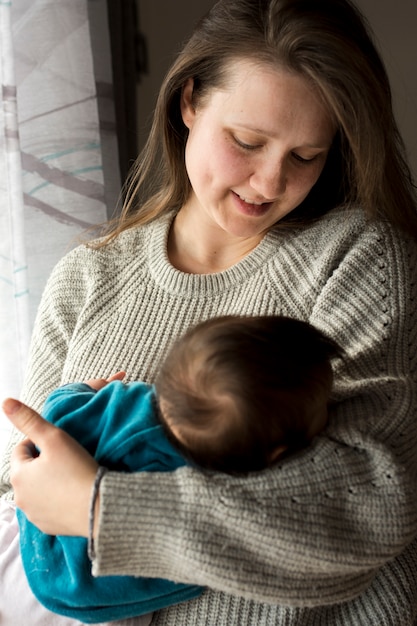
(52, 475)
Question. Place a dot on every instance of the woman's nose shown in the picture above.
(269, 180)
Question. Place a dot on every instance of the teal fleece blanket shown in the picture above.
(117, 425)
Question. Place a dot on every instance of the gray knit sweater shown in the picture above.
(327, 537)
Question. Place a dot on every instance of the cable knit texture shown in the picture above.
(326, 537)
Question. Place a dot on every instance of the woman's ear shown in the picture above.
(187, 105)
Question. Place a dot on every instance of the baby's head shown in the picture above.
(235, 393)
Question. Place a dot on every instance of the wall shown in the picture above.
(166, 23)
(394, 24)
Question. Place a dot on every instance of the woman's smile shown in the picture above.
(250, 207)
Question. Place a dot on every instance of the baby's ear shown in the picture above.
(277, 453)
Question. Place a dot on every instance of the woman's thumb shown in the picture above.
(25, 419)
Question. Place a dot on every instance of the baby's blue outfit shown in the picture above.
(118, 426)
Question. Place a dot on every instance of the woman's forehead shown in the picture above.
(264, 99)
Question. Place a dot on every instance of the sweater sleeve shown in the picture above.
(56, 319)
(316, 528)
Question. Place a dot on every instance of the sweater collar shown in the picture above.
(172, 279)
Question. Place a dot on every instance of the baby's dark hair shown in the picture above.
(237, 389)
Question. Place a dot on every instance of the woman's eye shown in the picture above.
(301, 159)
(245, 146)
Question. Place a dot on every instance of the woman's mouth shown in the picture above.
(251, 207)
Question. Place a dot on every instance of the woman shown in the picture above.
(273, 182)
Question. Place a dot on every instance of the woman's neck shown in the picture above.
(200, 248)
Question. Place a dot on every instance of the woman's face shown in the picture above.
(255, 149)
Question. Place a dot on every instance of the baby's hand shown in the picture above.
(99, 383)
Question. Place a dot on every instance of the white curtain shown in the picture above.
(53, 144)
